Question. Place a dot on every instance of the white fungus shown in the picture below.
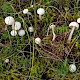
(40, 11)
(9, 20)
(30, 29)
(73, 25)
(37, 40)
(25, 11)
(17, 25)
(72, 68)
(21, 32)
(13, 32)
(7, 60)
(78, 20)
(52, 26)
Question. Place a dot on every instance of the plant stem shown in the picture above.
(34, 33)
(33, 54)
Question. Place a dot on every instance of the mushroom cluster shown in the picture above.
(40, 12)
(16, 26)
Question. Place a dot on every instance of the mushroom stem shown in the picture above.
(54, 35)
(70, 36)
(28, 13)
(48, 31)
(13, 25)
(39, 16)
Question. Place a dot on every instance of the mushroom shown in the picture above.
(40, 11)
(31, 29)
(37, 40)
(78, 20)
(21, 32)
(72, 68)
(9, 20)
(25, 11)
(17, 25)
(52, 26)
(13, 32)
(7, 60)
(73, 25)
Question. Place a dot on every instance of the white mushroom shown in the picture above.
(7, 60)
(30, 29)
(72, 68)
(40, 11)
(9, 20)
(13, 32)
(37, 40)
(26, 11)
(17, 25)
(73, 25)
(78, 20)
(52, 26)
(21, 32)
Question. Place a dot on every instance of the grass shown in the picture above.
(50, 60)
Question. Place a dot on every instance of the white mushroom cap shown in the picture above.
(7, 60)
(21, 32)
(37, 40)
(25, 11)
(78, 20)
(9, 20)
(17, 25)
(52, 26)
(74, 24)
(72, 68)
(31, 29)
(40, 11)
(13, 32)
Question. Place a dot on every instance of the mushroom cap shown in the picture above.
(16, 26)
(40, 11)
(74, 24)
(7, 60)
(30, 29)
(21, 32)
(37, 40)
(9, 20)
(52, 26)
(25, 11)
(72, 68)
(13, 32)
(78, 20)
